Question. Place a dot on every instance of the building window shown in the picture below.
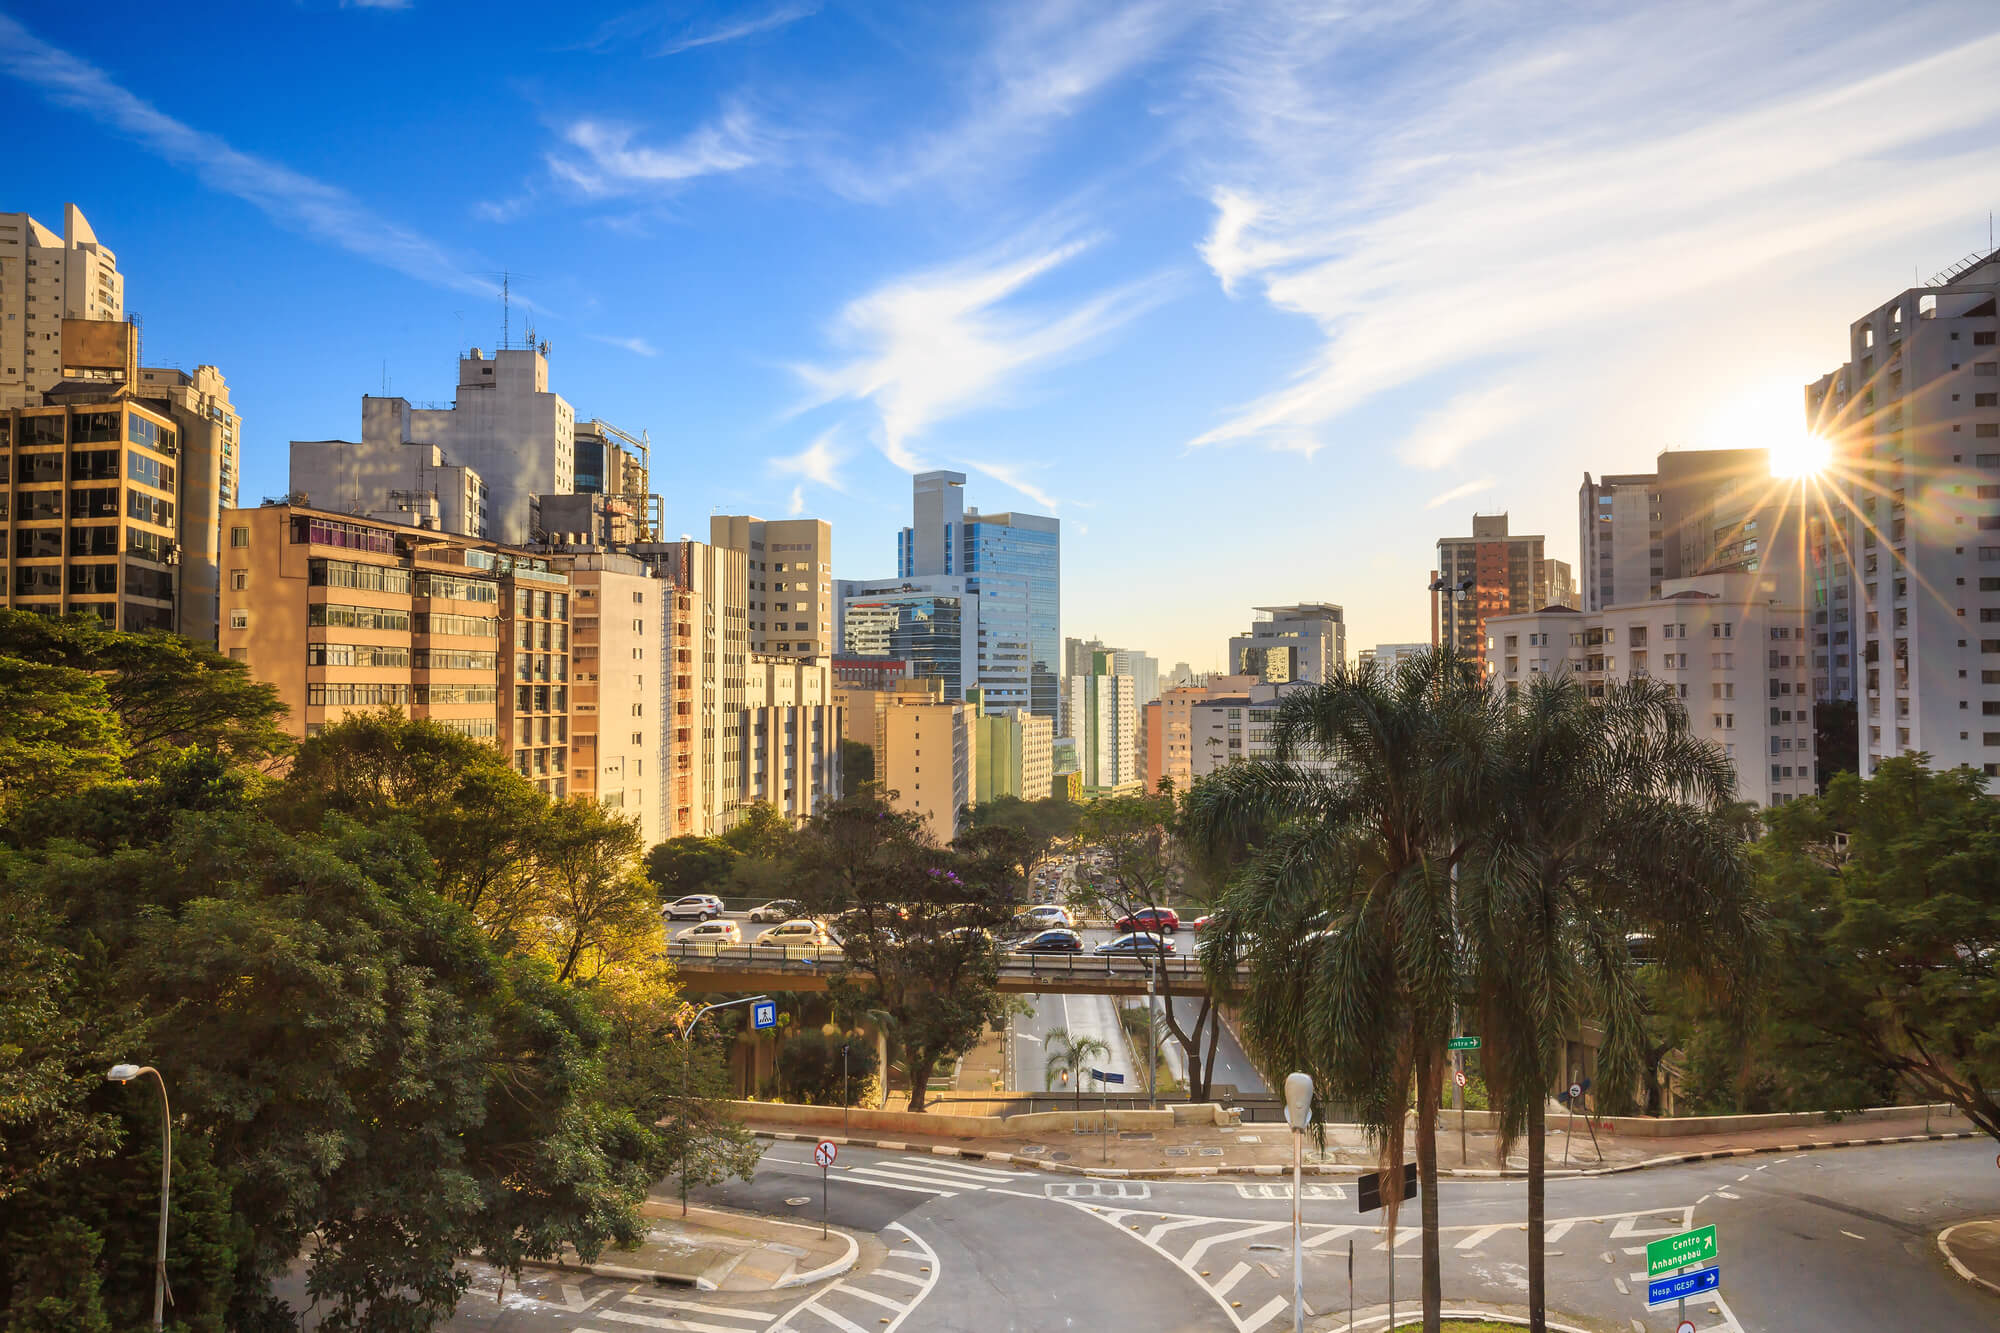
(239, 619)
(237, 579)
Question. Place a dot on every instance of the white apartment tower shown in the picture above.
(1103, 719)
(1912, 519)
(44, 280)
(472, 468)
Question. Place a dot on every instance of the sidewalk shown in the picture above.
(714, 1250)
(1266, 1149)
(1973, 1251)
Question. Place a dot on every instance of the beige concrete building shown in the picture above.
(211, 437)
(1731, 646)
(710, 649)
(345, 615)
(1169, 723)
(791, 735)
(791, 581)
(925, 744)
(44, 280)
(617, 650)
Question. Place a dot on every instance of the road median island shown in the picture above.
(715, 1249)
(1973, 1251)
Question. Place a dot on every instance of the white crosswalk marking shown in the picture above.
(1206, 1243)
(676, 1325)
(1475, 1238)
(865, 1176)
(864, 1303)
(1230, 1279)
(1558, 1231)
(1329, 1235)
(727, 1312)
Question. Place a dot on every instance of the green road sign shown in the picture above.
(1690, 1247)
(1462, 1044)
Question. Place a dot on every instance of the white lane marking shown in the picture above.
(1850, 1235)
(1202, 1246)
(1153, 1236)
(1262, 1315)
(856, 1178)
(727, 1312)
(1558, 1231)
(1230, 1279)
(910, 1278)
(844, 1325)
(675, 1325)
(924, 1170)
(1404, 1237)
(1330, 1234)
(573, 1297)
(1476, 1238)
(1726, 1194)
(905, 1254)
(867, 1295)
(1623, 1290)
(1745, 1176)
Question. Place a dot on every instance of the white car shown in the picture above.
(800, 931)
(699, 906)
(711, 932)
(1046, 916)
(778, 909)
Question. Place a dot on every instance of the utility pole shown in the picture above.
(687, 1062)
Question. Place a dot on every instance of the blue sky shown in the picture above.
(1259, 299)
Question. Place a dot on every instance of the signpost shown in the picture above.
(1570, 1099)
(1462, 1044)
(1675, 1257)
(824, 1152)
(1104, 1130)
(764, 1014)
(1458, 1046)
(1368, 1190)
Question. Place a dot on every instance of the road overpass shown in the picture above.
(747, 968)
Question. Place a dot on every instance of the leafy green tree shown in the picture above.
(760, 831)
(810, 1068)
(857, 765)
(171, 693)
(601, 907)
(1613, 821)
(1884, 904)
(57, 731)
(1344, 851)
(1044, 824)
(915, 929)
(685, 865)
(1070, 1056)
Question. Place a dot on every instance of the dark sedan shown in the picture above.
(1051, 941)
(1139, 943)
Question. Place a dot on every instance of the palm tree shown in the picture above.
(1614, 822)
(1071, 1054)
(1346, 848)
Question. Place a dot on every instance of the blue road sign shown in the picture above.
(764, 1014)
(1103, 1077)
(1667, 1290)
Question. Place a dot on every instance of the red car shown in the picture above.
(1158, 920)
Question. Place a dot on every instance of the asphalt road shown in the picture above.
(1841, 1241)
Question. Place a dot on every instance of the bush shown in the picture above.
(809, 1069)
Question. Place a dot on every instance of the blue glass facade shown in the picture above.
(921, 628)
(1014, 562)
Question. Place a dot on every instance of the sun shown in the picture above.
(1798, 456)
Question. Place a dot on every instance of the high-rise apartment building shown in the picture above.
(1013, 755)
(1013, 564)
(1143, 668)
(1561, 583)
(115, 488)
(1699, 511)
(1231, 723)
(710, 649)
(473, 468)
(791, 735)
(1733, 653)
(1389, 656)
(925, 745)
(1103, 720)
(1490, 573)
(1909, 519)
(617, 658)
(344, 615)
(791, 581)
(46, 279)
(1305, 641)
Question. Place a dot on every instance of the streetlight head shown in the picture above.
(122, 1073)
(1298, 1100)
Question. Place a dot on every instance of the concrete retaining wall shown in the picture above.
(976, 1126)
(1650, 1127)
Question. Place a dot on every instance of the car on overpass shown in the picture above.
(778, 909)
(696, 906)
(801, 931)
(1138, 942)
(1045, 916)
(711, 932)
(1051, 941)
(1156, 920)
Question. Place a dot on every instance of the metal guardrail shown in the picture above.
(808, 958)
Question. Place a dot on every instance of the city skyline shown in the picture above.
(1108, 275)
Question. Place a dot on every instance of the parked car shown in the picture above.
(1137, 943)
(1046, 916)
(1201, 922)
(778, 909)
(1051, 941)
(801, 931)
(697, 906)
(1158, 920)
(711, 932)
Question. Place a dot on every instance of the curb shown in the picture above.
(625, 1273)
(824, 1271)
(1322, 1169)
(1958, 1267)
(1475, 1312)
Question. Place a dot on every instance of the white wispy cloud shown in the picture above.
(934, 344)
(782, 16)
(291, 198)
(798, 502)
(1012, 474)
(1542, 208)
(1459, 493)
(636, 346)
(819, 462)
(602, 158)
(1044, 64)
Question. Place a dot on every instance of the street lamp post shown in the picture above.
(1298, 1114)
(846, 1093)
(687, 1062)
(125, 1074)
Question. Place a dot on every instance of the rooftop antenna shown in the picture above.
(506, 307)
